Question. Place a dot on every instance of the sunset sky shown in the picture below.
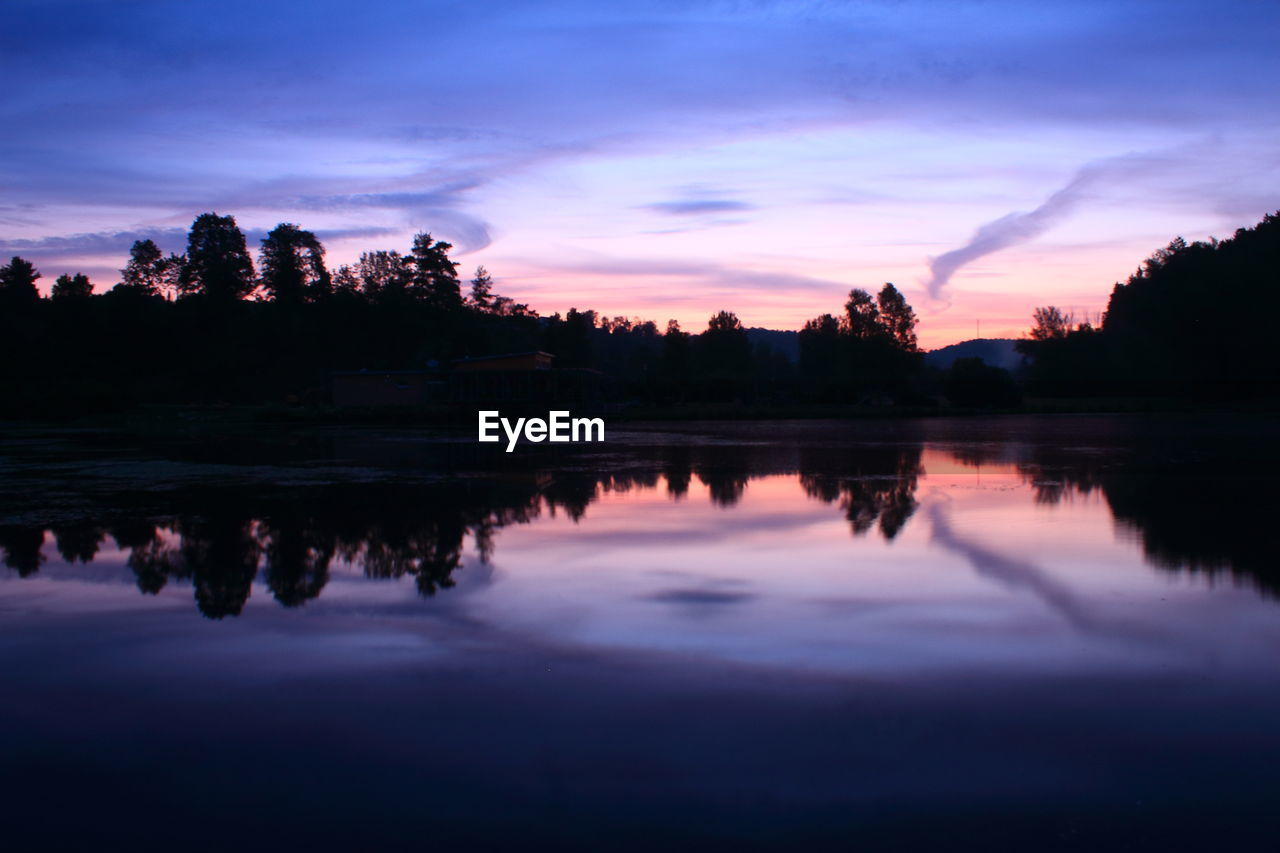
(656, 159)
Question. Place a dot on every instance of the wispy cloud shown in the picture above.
(95, 243)
(699, 207)
(1019, 227)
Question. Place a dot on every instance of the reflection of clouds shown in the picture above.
(699, 596)
(1008, 571)
(705, 599)
(1014, 573)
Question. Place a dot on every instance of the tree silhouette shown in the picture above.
(865, 355)
(1050, 324)
(71, 287)
(723, 349)
(896, 318)
(481, 290)
(676, 360)
(18, 283)
(346, 283)
(149, 272)
(434, 277)
(218, 264)
(861, 315)
(822, 354)
(384, 276)
(293, 267)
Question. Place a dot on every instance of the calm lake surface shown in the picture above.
(1017, 633)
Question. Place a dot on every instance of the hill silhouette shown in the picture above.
(997, 352)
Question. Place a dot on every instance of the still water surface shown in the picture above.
(988, 633)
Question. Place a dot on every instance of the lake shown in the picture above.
(996, 633)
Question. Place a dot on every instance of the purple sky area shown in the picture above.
(661, 159)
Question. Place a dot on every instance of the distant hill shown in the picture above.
(785, 342)
(997, 352)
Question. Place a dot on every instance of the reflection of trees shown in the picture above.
(297, 559)
(153, 562)
(1188, 521)
(78, 541)
(223, 540)
(21, 546)
(1180, 497)
(677, 469)
(429, 550)
(220, 541)
(1053, 481)
(573, 492)
(221, 554)
(874, 484)
(726, 486)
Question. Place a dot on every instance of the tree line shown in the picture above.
(211, 325)
(1193, 321)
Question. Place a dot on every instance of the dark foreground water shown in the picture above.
(1024, 634)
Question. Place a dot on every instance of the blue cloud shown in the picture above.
(699, 207)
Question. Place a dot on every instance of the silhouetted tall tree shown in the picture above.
(482, 290)
(68, 286)
(218, 263)
(676, 354)
(384, 276)
(345, 282)
(435, 277)
(293, 267)
(896, 318)
(149, 271)
(724, 345)
(1050, 324)
(861, 316)
(18, 282)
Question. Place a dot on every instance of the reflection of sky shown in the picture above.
(981, 578)
(649, 158)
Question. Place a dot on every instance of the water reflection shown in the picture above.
(221, 541)
(970, 628)
(21, 547)
(1194, 512)
(874, 485)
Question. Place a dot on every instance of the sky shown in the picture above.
(656, 159)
